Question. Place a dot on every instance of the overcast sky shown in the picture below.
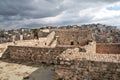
(35, 13)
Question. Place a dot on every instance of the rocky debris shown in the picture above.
(74, 54)
(22, 74)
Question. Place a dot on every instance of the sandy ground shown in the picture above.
(14, 71)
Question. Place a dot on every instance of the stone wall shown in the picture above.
(91, 47)
(70, 64)
(35, 54)
(87, 70)
(42, 41)
(108, 48)
(77, 54)
(75, 65)
(26, 43)
(73, 36)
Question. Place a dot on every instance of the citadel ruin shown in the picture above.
(74, 52)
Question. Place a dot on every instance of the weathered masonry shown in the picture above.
(104, 48)
(73, 36)
(35, 54)
(87, 70)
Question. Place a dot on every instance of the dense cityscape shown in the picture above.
(101, 33)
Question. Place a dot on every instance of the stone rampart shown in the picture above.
(112, 48)
(70, 63)
(87, 70)
(35, 54)
(73, 36)
(75, 65)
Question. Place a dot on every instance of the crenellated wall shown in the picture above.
(105, 48)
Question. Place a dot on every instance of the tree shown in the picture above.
(35, 32)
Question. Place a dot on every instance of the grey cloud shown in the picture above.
(29, 8)
(42, 8)
(14, 12)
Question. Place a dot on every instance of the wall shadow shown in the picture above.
(43, 73)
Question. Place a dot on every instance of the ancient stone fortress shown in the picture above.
(74, 53)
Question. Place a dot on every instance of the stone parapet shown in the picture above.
(35, 54)
(87, 70)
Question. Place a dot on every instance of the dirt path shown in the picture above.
(13, 71)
